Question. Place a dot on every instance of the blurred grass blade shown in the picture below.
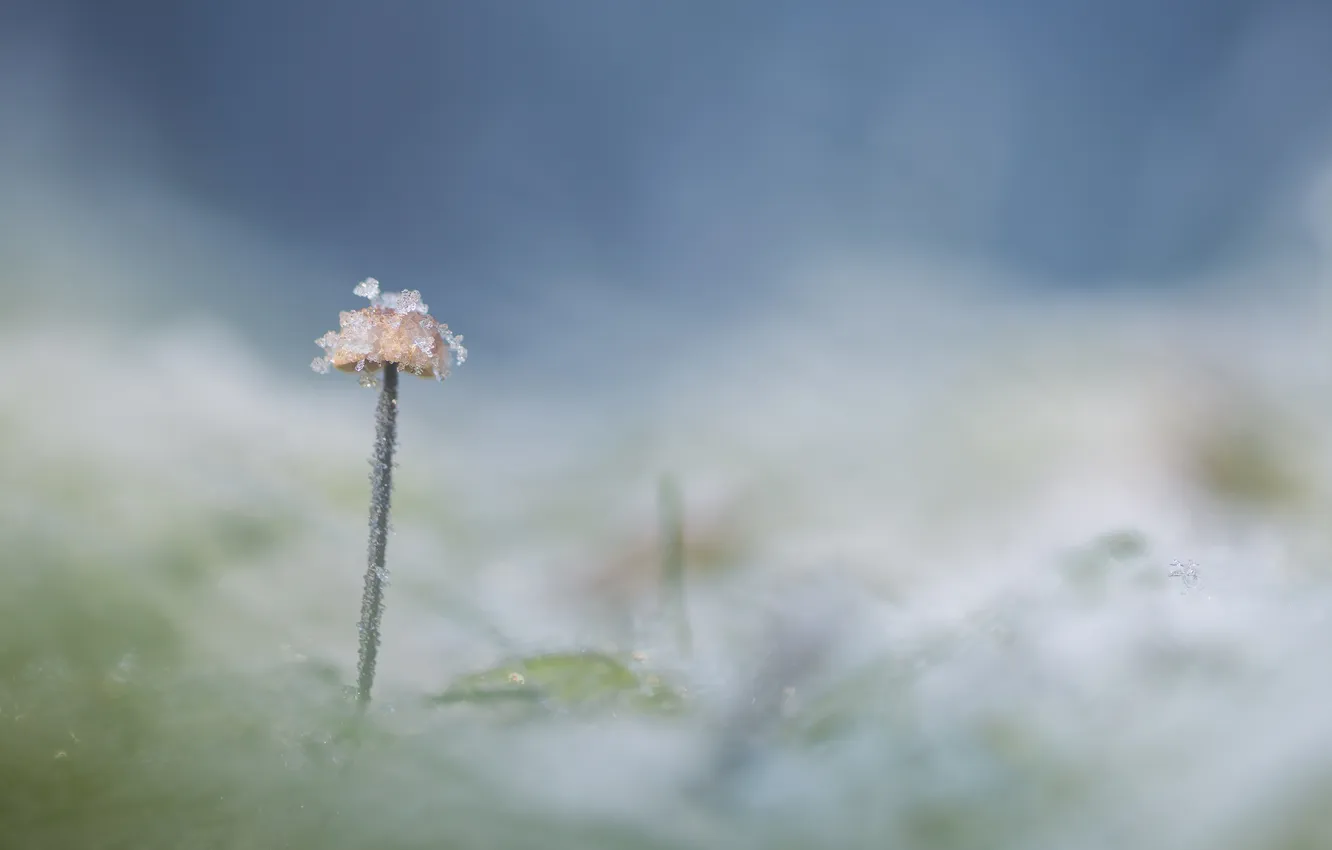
(670, 514)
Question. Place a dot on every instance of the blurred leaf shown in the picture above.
(565, 680)
(1090, 567)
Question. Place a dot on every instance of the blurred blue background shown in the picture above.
(676, 156)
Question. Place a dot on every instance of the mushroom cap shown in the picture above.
(396, 329)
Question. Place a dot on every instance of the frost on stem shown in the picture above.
(381, 490)
(396, 328)
(395, 333)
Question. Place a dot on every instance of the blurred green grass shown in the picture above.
(166, 679)
(117, 730)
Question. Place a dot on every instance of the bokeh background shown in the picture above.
(986, 343)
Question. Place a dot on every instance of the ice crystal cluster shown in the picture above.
(395, 328)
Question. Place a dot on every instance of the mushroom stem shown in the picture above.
(376, 574)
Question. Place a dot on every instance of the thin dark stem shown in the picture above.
(376, 574)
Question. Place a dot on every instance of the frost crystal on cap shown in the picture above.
(395, 328)
(368, 288)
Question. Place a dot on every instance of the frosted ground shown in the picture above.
(930, 546)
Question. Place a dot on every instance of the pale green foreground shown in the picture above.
(181, 564)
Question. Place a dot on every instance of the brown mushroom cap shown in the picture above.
(394, 329)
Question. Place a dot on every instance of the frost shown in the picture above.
(320, 365)
(368, 288)
(358, 335)
(409, 301)
(368, 380)
(455, 344)
(1187, 573)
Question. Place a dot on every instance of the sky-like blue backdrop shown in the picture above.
(688, 151)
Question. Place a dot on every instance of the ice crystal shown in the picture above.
(1186, 572)
(410, 302)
